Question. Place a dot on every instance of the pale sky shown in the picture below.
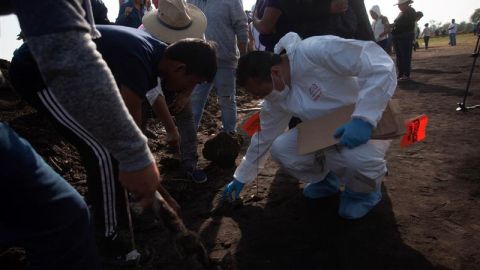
(438, 10)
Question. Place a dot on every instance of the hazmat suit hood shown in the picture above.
(287, 42)
(376, 9)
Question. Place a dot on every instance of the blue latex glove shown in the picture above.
(354, 133)
(233, 186)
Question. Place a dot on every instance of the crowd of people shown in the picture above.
(95, 83)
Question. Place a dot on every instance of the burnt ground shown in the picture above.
(429, 217)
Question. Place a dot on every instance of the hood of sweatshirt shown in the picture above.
(376, 9)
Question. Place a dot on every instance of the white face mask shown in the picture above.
(278, 95)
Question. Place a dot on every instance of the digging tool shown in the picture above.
(462, 105)
(133, 254)
(188, 243)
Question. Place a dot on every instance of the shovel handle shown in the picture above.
(169, 199)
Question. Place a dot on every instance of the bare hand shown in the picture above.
(128, 10)
(173, 138)
(142, 183)
(338, 6)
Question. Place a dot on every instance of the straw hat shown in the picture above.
(403, 2)
(175, 20)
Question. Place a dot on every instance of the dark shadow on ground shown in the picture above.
(422, 87)
(433, 71)
(293, 232)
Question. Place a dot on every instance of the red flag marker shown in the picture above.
(416, 130)
(252, 125)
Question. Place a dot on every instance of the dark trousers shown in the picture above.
(383, 44)
(403, 51)
(40, 211)
(105, 193)
(426, 40)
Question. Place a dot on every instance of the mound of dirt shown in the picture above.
(223, 149)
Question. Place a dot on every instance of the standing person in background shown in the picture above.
(227, 26)
(452, 33)
(271, 22)
(131, 13)
(415, 44)
(426, 33)
(380, 27)
(403, 36)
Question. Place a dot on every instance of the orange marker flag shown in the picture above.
(252, 125)
(416, 130)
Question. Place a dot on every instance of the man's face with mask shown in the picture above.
(263, 88)
(258, 88)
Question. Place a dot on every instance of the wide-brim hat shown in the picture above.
(175, 20)
(403, 2)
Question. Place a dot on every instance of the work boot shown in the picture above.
(354, 205)
(325, 188)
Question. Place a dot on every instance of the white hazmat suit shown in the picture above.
(326, 73)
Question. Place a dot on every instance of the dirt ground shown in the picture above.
(429, 217)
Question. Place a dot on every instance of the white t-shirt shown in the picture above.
(452, 28)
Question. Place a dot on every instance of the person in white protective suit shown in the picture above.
(316, 76)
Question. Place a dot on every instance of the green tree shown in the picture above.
(475, 18)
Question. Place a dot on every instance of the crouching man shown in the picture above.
(316, 76)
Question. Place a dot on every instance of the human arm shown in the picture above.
(59, 40)
(239, 22)
(424, 32)
(251, 40)
(125, 15)
(273, 122)
(100, 12)
(163, 114)
(159, 105)
(266, 25)
(386, 27)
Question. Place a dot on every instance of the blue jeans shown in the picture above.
(452, 39)
(40, 211)
(224, 83)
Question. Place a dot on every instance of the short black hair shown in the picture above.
(257, 65)
(198, 55)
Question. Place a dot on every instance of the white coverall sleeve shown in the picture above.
(374, 69)
(273, 122)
